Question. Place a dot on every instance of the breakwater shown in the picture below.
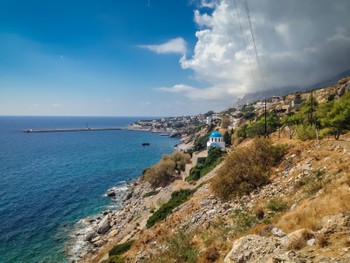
(74, 129)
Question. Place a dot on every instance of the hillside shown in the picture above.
(300, 212)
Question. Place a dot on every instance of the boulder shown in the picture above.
(252, 248)
(297, 239)
(103, 226)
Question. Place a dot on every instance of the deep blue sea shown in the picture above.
(48, 181)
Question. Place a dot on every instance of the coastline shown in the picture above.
(93, 236)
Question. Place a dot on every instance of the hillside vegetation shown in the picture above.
(285, 198)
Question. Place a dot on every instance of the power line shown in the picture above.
(254, 43)
(244, 41)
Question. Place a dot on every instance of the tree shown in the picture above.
(227, 138)
(336, 115)
(180, 159)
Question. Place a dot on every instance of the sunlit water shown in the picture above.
(48, 181)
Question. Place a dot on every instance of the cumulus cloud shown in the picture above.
(298, 42)
(176, 45)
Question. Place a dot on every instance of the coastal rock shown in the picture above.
(111, 193)
(104, 225)
(90, 235)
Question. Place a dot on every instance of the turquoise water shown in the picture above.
(48, 181)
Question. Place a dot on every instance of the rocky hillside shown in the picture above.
(301, 215)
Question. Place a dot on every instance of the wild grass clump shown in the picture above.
(246, 169)
(242, 220)
(121, 248)
(177, 198)
(178, 248)
(277, 205)
(313, 182)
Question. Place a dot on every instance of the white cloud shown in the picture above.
(176, 45)
(207, 94)
(299, 43)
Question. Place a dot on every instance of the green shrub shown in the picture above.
(305, 132)
(200, 142)
(242, 220)
(277, 205)
(246, 169)
(150, 194)
(177, 198)
(201, 169)
(179, 248)
(313, 183)
(121, 248)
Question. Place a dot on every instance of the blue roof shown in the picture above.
(215, 134)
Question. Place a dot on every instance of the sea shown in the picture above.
(49, 181)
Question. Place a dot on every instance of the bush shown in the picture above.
(247, 169)
(177, 198)
(179, 248)
(306, 132)
(242, 220)
(277, 205)
(180, 159)
(200, 142)
(165, 170)
(121, 248)
(201, 169)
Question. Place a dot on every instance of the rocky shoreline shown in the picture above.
(97, 234)
(88, 233)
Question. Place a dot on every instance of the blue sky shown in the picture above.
(160, 57)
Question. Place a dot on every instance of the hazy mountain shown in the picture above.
(260, 95)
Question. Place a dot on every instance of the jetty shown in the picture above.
(74, 129)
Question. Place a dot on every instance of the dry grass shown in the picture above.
(335, 199)
(322, 240)
(299, 241)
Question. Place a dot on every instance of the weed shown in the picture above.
(211, 254)
(242, 220)
(322, 240)
(277, 205)
(178, 248)
(121, 248)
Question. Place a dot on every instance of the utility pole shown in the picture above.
(312, 108)
(265, 120)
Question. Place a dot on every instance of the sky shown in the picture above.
(162, 57)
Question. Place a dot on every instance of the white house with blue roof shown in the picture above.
(216, 140)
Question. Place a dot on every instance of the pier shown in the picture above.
(74, 129)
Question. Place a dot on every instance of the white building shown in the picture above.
(216, 140)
